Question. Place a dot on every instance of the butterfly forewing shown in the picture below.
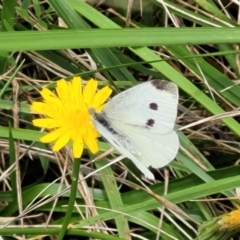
(154, 106)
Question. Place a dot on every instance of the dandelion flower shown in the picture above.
(220, 228)
(67, 113)
(230, 220)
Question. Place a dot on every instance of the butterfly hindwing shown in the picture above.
(157, 150)
(119, 143)
(153, 149)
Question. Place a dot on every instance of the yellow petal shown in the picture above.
(93, 133)
(61, 142)
(78, 147)
(46, 123)
(89, 91)
(77, 89)
(92, 145)
(46, 94)
(62, 89)
(52, 136)
(43, 108)
(91, 141)
(37, 107)
(100, 97)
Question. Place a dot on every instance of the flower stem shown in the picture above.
(72, 197)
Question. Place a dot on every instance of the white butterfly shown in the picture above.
(139, 123)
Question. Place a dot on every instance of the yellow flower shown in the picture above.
(67, 112)
(230, 220)
(220, 228)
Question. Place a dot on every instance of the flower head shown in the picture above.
(230, 220)
(67, 113)
(221, 227)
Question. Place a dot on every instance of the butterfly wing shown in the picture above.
(156, 150)
(139, 123)
(143, 147)
(151, 105)
(118, 142)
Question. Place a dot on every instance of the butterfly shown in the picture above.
(139, 123)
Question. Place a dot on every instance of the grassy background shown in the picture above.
(192, 43)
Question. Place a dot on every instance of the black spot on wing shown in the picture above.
(150, 122)
(167, 86)
(160, 84)
(153, 106)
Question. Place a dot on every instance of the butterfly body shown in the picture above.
(139, 123)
